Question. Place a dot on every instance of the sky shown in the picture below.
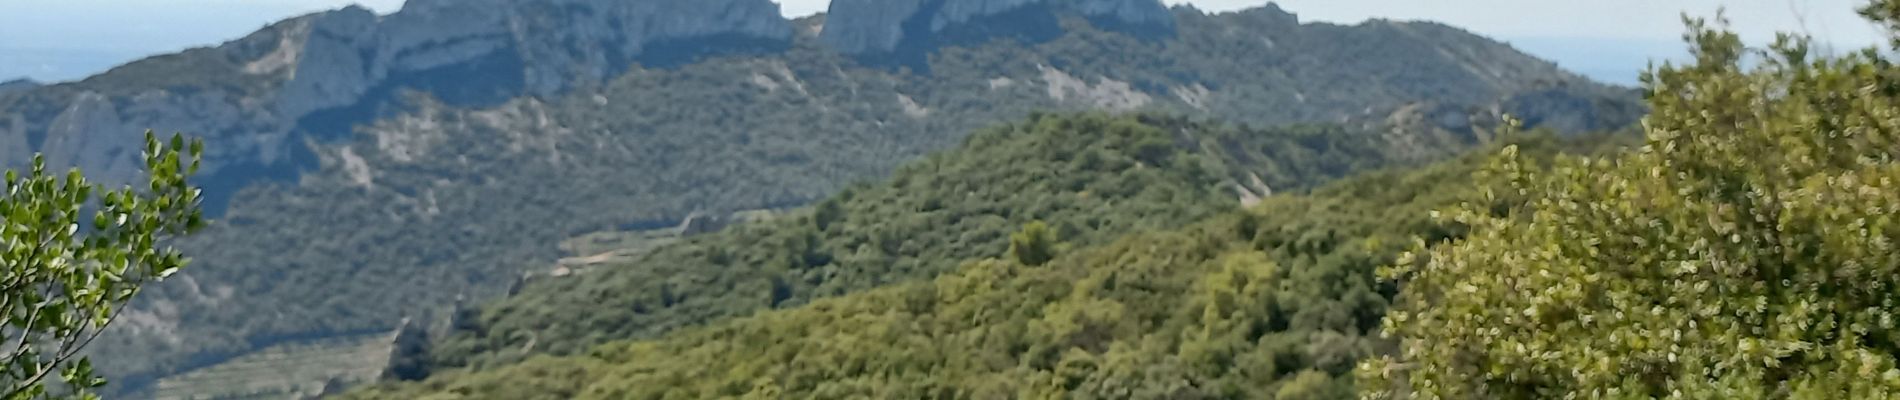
(1610, 40)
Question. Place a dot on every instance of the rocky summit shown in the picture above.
(319, 75)
(884, 26)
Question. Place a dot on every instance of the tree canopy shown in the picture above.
(66, 277)
(1745, 251)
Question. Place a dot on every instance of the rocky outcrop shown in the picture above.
(101, 133)
(408, 349)
(561, 42)
(1108, 94)
(329, 60)
(864, 26)
(887, 26)
(320, 75)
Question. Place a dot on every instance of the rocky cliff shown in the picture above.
(319, 75)
(258, 100)
(869, 27)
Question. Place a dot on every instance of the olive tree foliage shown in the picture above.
(64, 283)
(1746, 251)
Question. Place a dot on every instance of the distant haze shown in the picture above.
(1609, 40)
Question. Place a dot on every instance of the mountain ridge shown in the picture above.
(253, 99)
(320, 75)
(907, 29)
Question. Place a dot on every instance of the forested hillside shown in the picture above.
(1089, 177)
(434, 199)
(1275, 301)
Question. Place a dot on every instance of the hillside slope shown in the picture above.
(1277, 301)
(400, 206)
(1090, 177)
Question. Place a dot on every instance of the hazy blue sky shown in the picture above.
(1606, 39)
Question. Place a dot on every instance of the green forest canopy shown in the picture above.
(1089, 177)
(1746, 251)
(1278, 300)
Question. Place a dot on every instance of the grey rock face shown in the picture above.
(67, 145)
(863, 26)
(251, 98)
(880, 26)
(328, 62)
(561, 42)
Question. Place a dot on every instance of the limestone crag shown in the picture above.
(865, 26)
(881, 26)
(321, 74)
(256, 99)
(563, 41)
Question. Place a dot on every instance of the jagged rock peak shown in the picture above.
(882, 26)
(323, 73)
(474, 52)
(562, 40)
